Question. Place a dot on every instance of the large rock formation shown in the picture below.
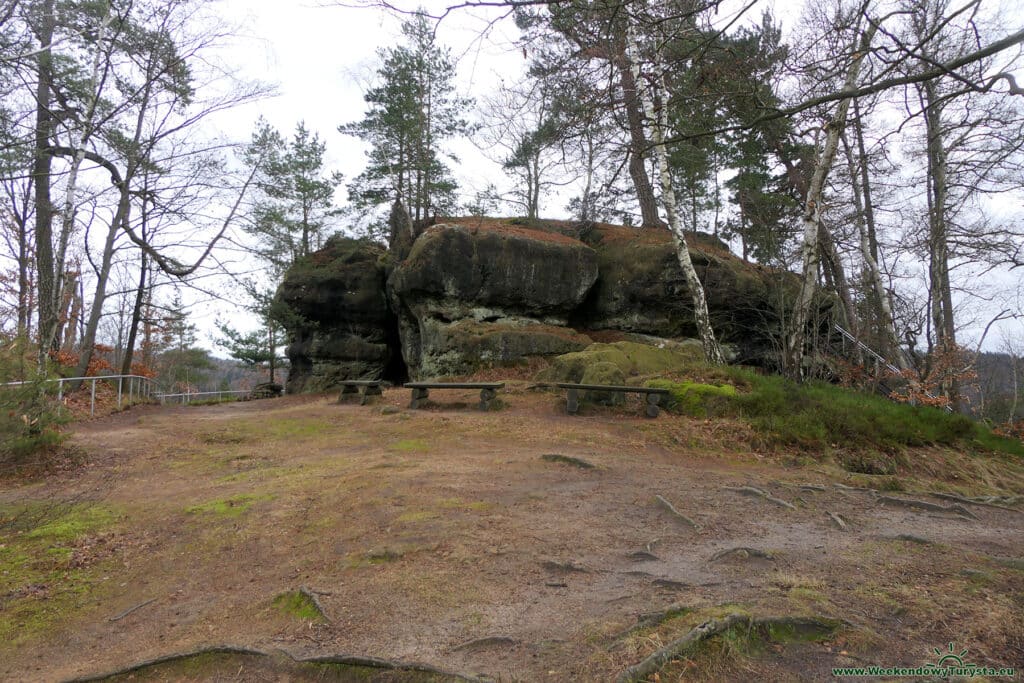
(468, 296)
(481, 293)
(337, 314)
(641, 288)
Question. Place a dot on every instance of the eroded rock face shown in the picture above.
(482, 293)
(641, 288)
(469, 297)
(341, 326)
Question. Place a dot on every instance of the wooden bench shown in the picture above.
(573, 401)
(370, 387)
(420, 390)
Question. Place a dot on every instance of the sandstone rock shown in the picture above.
(632, 359)
(641, 289)
(340, 325)
(604, 372)
(490, 294)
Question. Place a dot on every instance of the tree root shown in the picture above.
(844, 487)
(568, 460)
(122, 615)
(837, 520)
(339, 659)
(956, 509)
(648, 619)
(643, 556)
(172, 658)
(910, 538)
(812, 487)
(754, 491)
(679, 647)
(676, 513)
(563, 567)
(484, 643)
(312, 596)
(743, 553)
(971, 501)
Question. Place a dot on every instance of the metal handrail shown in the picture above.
(138, 385)
(186, 397)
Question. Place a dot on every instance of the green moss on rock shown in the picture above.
(696, 399)
(604, 372)
(631, 358)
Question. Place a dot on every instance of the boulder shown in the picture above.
(335, 307)
(641, 289)
(631, 358)
(490, 293)
(607, 373)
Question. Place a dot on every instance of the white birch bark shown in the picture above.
(712, 350)
(809, 253)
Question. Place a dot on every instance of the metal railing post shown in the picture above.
(120, 383)
(92, 400)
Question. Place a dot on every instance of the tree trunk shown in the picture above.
(810, 253)
(938, 237)
(41, 165)
(100, 296)
(272, 345)
(839, 281)
(864, 217)
(628, 79)
(712, 351)
(140, 300)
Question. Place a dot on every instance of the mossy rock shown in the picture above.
(604, 372)
(631, 358)
(466, 346)
(696, 399)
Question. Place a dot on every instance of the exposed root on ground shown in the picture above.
(802, 626)
(914, 504)
(754, 491)
(675, 513)
(342, 660)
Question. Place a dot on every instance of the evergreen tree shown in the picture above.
(297, 194)
(410, 113)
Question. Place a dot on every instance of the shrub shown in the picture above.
(29, 420)
(29, 415)
(817, 415)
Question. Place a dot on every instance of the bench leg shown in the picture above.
(572, 403)
(367, 392)
(486, 396)
(652, 404)
(417, 396)
(345, 391)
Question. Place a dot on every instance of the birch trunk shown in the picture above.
(712, 350)
(810, 253)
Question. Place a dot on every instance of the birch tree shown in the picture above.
(810, 254)
(712, 350)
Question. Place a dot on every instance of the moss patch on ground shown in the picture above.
(299, 605)
(47, 569)
(235, 506)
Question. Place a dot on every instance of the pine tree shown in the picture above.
(410, 113)
(297, 194)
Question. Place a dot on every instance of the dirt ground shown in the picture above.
(445, 537)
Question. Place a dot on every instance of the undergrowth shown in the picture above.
(816, 415)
